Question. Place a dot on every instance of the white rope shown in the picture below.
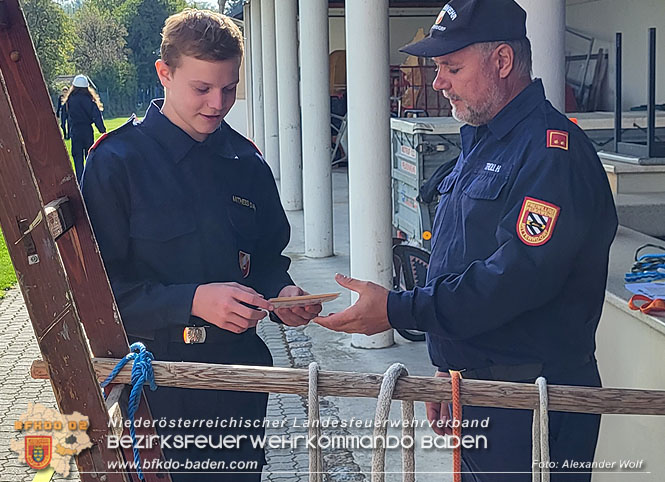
(408, 433)
(315, 456)
(540, 435)
(380, 426)
(395, 371)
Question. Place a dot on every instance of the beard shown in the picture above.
(481, 112)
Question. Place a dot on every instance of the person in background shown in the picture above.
(61, 112)
(82, 108)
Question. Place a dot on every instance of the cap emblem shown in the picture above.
(450, 11)
(447, 9)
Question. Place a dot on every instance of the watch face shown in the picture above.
(194, 334)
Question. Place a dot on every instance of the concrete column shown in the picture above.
(258, 131)
(315, 100)
(268, 52)
(368, 89)
(247, 72)
(546, 28)
(290, 151)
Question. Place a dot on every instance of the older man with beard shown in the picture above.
(521, 237)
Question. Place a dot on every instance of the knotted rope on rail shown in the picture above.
(390, 378)
(315, 455)
(539, 433)
(141, 373)
(455, 379)
(380, 426)
(541, 436)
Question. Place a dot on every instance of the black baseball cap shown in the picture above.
(465, 22)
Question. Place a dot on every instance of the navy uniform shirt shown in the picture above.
(170, 213)
(519, 256)
(82, 111)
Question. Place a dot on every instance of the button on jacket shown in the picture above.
(170, 213)
(520, 248)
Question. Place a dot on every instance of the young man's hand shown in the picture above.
(221, 304)
(298, 315)
(438, 414)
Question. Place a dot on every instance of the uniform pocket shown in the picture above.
(243, 220)
(486, 186)
(160, 225)
(164, 242)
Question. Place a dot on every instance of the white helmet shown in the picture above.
(80, 81)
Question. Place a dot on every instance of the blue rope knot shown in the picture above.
(141, 373)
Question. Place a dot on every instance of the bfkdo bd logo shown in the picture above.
(38, 451)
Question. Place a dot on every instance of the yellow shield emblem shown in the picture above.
(536, 221)
(38, 451)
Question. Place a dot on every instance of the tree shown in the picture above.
(144, 20)
(100, 52)
(52, 35)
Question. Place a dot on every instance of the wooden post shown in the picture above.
(65, 283)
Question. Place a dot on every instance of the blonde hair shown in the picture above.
(86, 90)
(202, 34)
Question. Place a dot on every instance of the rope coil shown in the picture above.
(647, 267)
(141, 373)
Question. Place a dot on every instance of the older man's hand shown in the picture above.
(369, 315)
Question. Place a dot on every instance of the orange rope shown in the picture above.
(457, 425)
(649, 305)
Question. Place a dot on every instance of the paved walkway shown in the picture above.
(291, 347)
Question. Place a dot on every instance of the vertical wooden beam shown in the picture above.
(48, 297)
(68, 285)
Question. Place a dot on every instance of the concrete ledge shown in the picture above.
(644, 213)
(628, 178)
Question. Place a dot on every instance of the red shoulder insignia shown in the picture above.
(130, 122)
(255, 146)
(557, 139)
(100, 139)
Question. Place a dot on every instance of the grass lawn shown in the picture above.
(7, 275)
(110, 125)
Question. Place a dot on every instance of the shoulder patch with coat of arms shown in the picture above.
(535, 223)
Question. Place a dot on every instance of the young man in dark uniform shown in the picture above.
(517, 273)
(191, 229)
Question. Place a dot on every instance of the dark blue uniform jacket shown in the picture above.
(520, 248)
(82, 111)
(170, 213)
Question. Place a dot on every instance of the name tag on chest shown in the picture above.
(492, 167)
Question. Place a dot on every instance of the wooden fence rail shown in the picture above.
(427, 389)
